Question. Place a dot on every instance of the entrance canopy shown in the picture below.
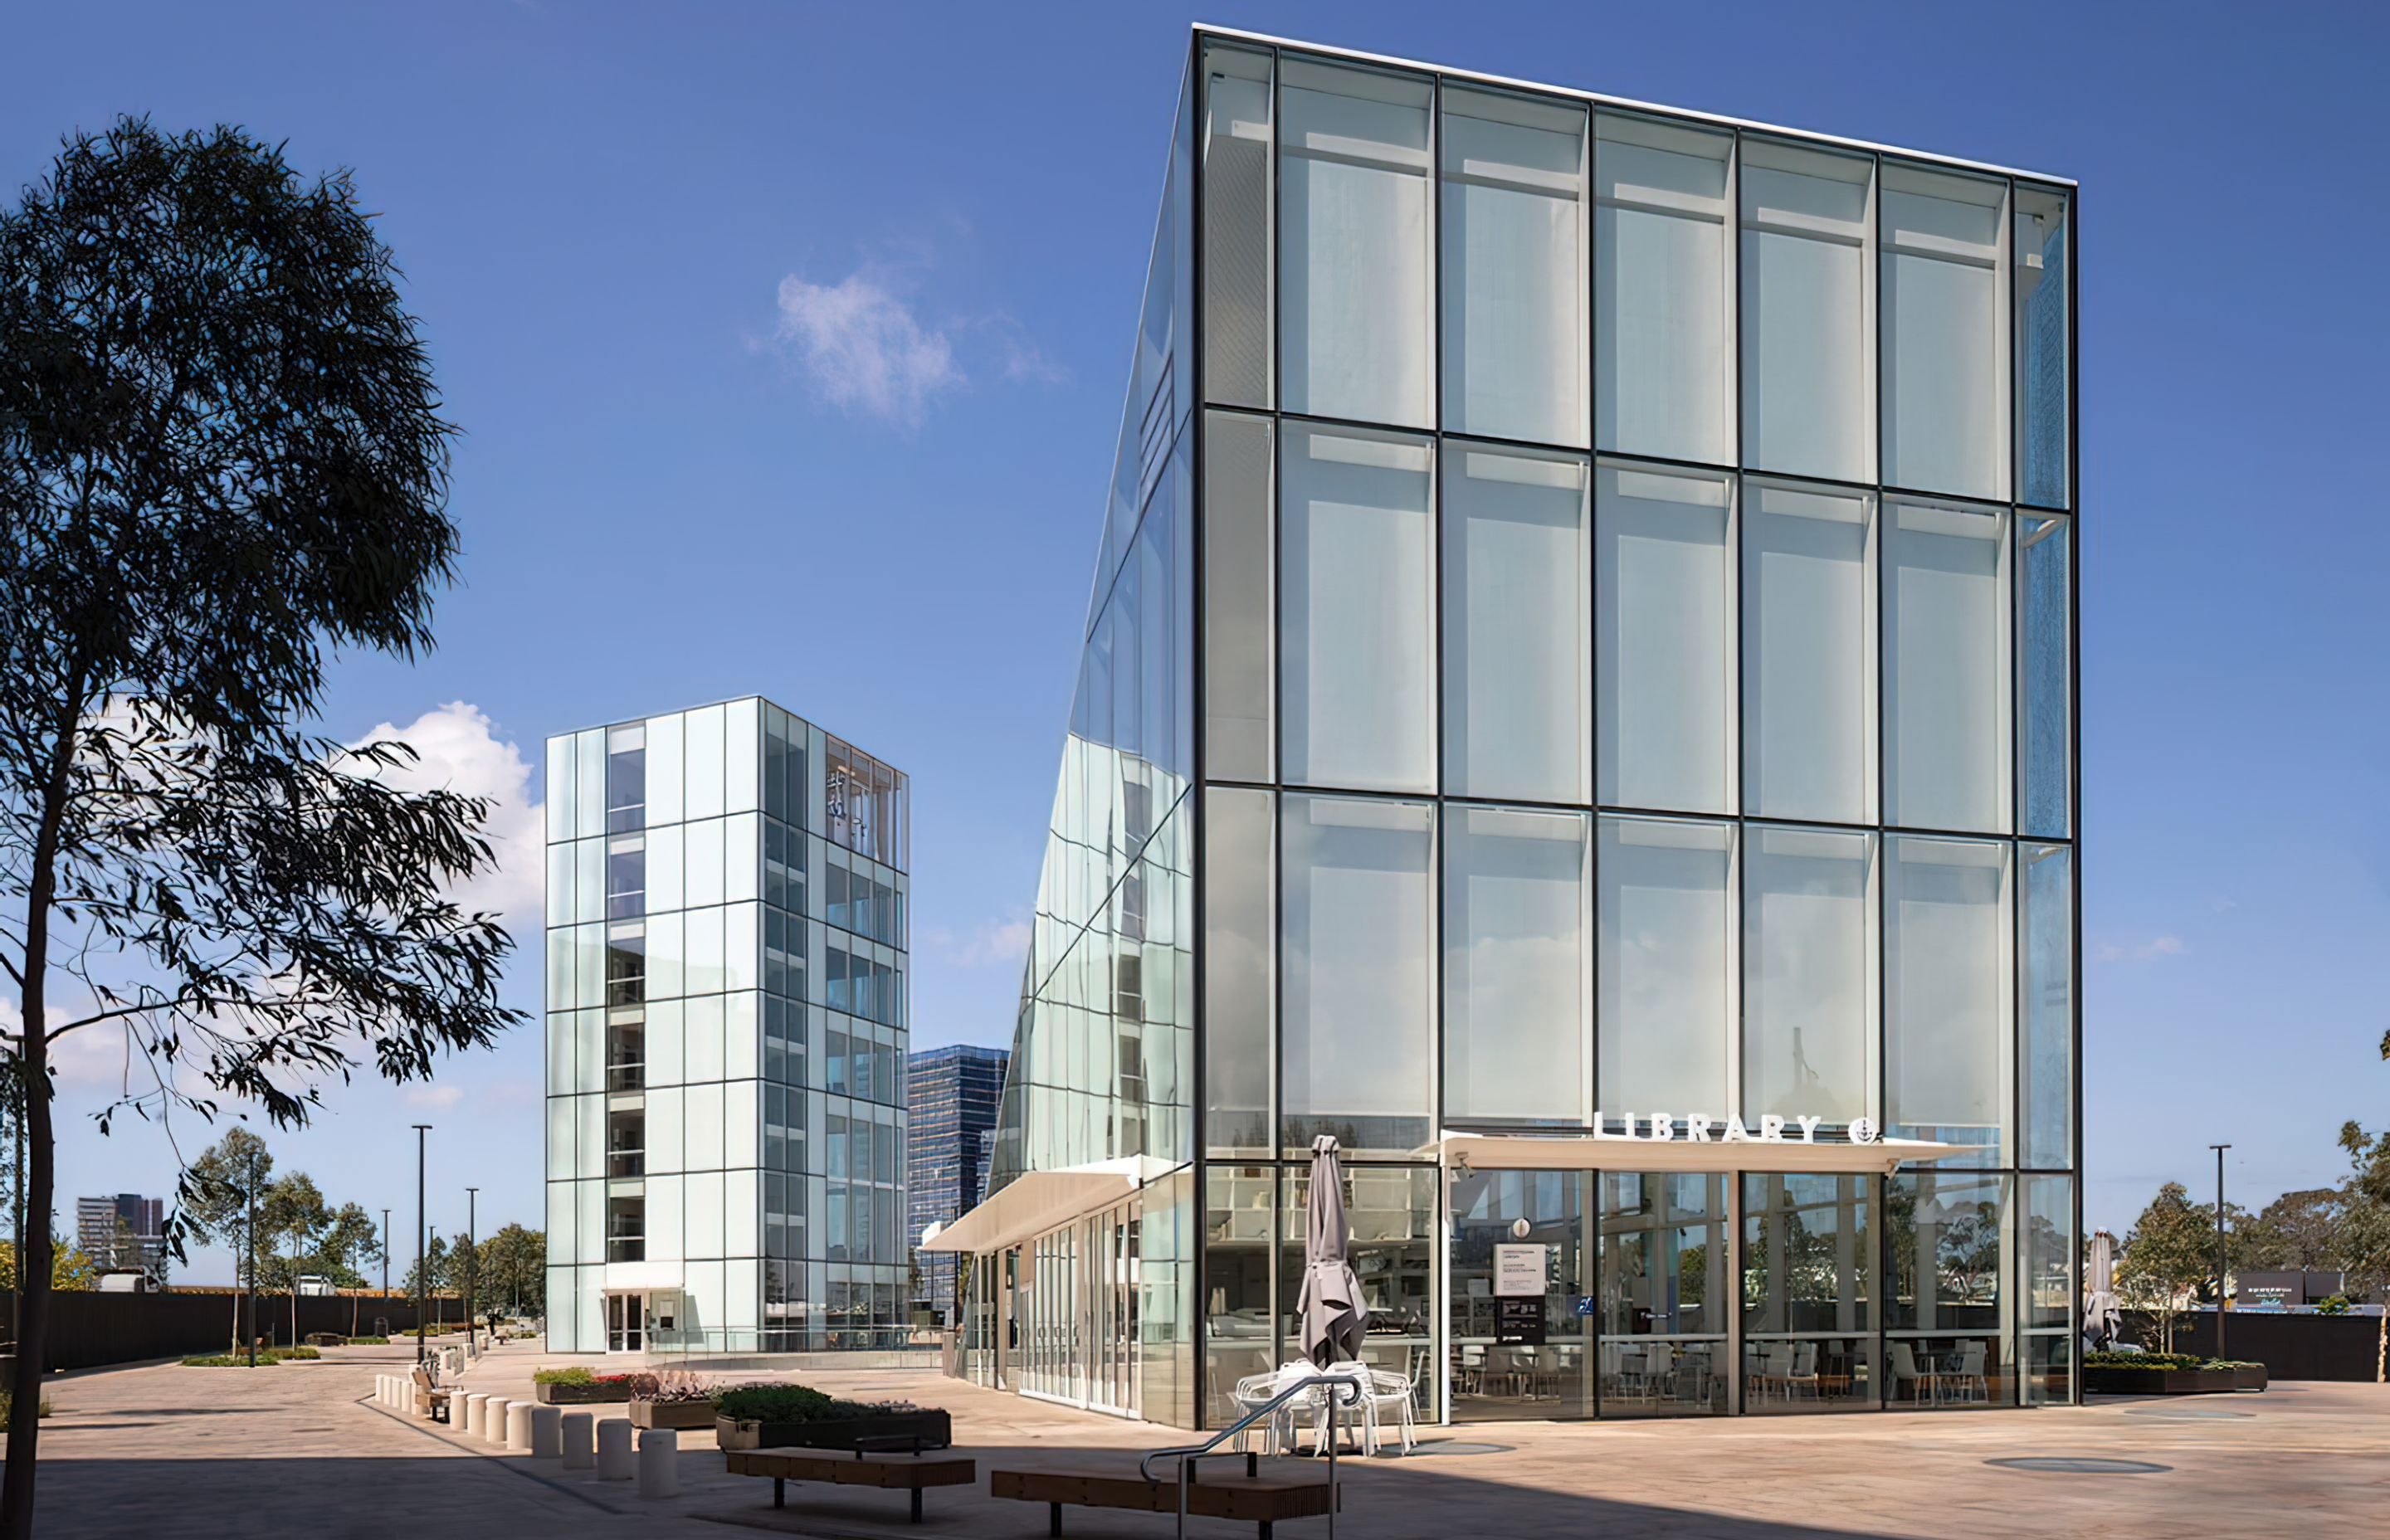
(1037, 1201)
(638, 1277)
(1582, 1152)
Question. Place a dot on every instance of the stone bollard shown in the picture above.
(493, 1420)
(659, 1462)
(518, 1425)
(382, 1388)
(474, 1402)
(614, 1449)
(546, 1432)
(575, 1433)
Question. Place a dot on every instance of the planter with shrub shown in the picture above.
(795, 1417)
(579, 1387)
(2166, 1374)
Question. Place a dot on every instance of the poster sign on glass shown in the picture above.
(1519, 1270)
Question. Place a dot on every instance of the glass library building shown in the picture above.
(1578, 704)
(726, 1037)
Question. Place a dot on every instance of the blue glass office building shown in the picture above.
(951, 1095)
(1578, 704)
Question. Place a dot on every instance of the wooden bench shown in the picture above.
(889, 1472)
(430, 1399)
(1249, 1498)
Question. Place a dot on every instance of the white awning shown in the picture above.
(1582, 1152)
(1037, 1201)
(638, 1277)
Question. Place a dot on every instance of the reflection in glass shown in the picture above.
(1946, 1240)
(1946, 661)
(1494, 1378)
(2047, 1269)
(1518, 1023)
(1513, 268)
(1809, 654)
(1357, 295)
(1390, 1219)
(1665, 1289)
(1663, 648)
(1809, 312)
(1946, 343)
(2042, 344)
(1240, 937)
(1663, 291)
(1668, 980)
(1948, 991)
(1356, 602)
(1358, 933)
(1809, 969)
(2045, 702)
(1514, 626)
(1237, 217)
(1239, 1334)
(1238, 633)
(1809, 1328)
(2046, 1059)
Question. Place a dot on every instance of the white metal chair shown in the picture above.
(1904, 1372)
(1973, 1384)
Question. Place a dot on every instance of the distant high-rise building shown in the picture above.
(951, 1099)
(125, 1231)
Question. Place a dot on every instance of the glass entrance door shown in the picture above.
(626, 1323)
(1522, 1337)
(1666, 1285)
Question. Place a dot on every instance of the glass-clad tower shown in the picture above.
(1578, 705)
(727, 1037)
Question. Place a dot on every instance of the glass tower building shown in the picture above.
(951, 1095)
(1578, 705)
(727, 1037)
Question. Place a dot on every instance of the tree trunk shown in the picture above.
(33, 1262)
(2381, 1345)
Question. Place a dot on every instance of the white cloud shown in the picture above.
(434, 1097)
(2151, 950)
(862, 347)
(462, 752)
(995, 942)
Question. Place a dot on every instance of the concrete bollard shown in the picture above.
(614, 1449)
(381, 1389)
(659, 1462)
(546, 1432)
(518, 1425)
(474, 1402)
(574, 1436)
(493, 1420)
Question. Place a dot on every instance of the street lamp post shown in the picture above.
(2219, 1149)
(473, 1263)
(248, 1332)
(422, 1261)
(385, 1256)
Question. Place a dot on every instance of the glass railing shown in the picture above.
(629, 1075)
(626, 1163)
(627, 1248)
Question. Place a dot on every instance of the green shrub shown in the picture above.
(576, 1375)
(2147, 1361)
(2336, 1305)
(797, 1404)
(368, 1341)
(228, 1361)
(279, 1353)
(7, 1400)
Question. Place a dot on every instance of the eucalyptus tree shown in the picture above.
(221, 459)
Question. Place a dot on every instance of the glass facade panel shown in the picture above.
(1515, 626)
(1664, 645)
(1946, 670)
(1668, 990)
(1666, 1286)
(1946, 1277)
(1239, 629)
(1809, 654)
(1809, 311)
(2044, 347)
(1357, 288)
(1948, 993)
(1808, 1319)
(1240, 939)
(1357, 947)
(1809, 971)
(1389, 1218)
(2046, 1055)
(1517, 968)
(1946, 334)
(1497, 1377)
(1663, 291)
(1236, 227)
(1357, 604)
(2049, 1289)
(1514, 280)
(2044, 709)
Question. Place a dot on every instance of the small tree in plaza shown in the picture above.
(2168, 1254)
(2364, 1236)
(221, 458)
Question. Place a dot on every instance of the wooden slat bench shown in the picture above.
(836, 1467)
(1261, 1500)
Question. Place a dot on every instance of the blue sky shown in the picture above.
(789, 343)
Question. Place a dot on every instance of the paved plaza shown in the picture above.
(302, 1450)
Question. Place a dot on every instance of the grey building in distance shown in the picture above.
(951, 1095)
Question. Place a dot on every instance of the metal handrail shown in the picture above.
(1337, 1386)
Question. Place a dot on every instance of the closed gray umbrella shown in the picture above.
(2102, 1319)
(1333, 1316)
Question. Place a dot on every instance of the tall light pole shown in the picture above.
(422, 1261)
(2219, 1149)
(249, 1186)
(473, 1263)
(385, 1256)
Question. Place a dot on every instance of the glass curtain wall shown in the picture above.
(1613, 575)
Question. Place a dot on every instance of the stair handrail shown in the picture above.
(1342, 1388)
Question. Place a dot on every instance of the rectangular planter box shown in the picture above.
(580, 1395)
(2101, 1381)
(687, 1416)
(934, 1428)
(2251, 1378)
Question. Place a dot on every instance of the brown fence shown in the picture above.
(90, 1329)
(2292, 1347)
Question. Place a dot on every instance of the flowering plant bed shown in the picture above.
(688, 1416)
(793, 1417)
(579, 1387)
(2167, 1374)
